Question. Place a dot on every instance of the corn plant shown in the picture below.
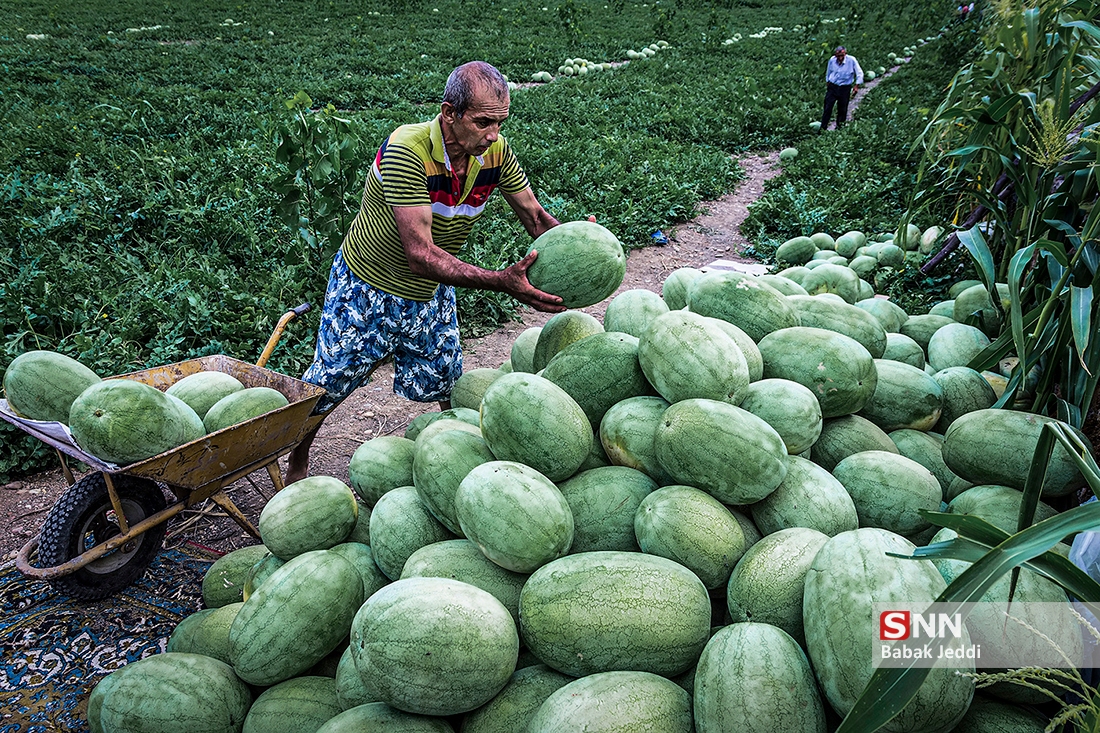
(1018, 134)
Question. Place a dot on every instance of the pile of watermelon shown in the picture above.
(124, 421)
(678, 518)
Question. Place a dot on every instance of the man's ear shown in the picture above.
(448, 111)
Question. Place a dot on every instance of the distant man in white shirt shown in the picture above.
(842, 79)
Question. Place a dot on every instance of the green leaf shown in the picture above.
(1017, 268)
(1051, 565)
(1056, 250)
(1000, 108)
(1000, 346)
(975, 244)
(1087, 27)
(1080, 310)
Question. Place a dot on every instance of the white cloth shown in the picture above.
(56, 430)
(843, 74)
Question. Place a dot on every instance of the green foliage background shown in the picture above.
(139, 185)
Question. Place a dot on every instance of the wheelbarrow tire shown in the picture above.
(83, 517)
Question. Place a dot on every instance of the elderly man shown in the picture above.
(391, 289)
(842, 79)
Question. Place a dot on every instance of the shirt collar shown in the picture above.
(439, 150)
(435, 128)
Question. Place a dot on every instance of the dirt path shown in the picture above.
(713, 238)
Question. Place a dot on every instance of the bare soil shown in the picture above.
(374, 409)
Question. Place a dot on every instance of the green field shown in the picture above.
(141, 191)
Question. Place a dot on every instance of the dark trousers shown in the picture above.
(838, 95)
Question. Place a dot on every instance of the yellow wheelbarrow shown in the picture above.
(107, 527)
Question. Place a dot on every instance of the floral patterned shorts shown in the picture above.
(361, 326)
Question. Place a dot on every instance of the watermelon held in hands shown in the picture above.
(580, 261)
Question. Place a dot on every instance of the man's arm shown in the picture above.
(534, 218)
(414, 225)
(859, 73)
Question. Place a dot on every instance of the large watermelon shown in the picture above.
(312, 514)
(41, 385)
(852, 572)
(856, 323)
(202, 390)
(754, 676)
(561, 330)
(694, 529)
(298, 705)
(685, 356)
(242, 405)
(517, 516)
(603, 611)
(529, 419)
(440, 464)
(434, 646)
(790, 408)
(295, 618)
(122, 421)
(399, 526)
(626, 434)
(603, 501)
(723, 450)
(598, 371)
(581, 261)
(837, 369)
(615, 702)
(380, 716)
(843, 436)
(754, 307)
(964, 390)
(513, 708)
(223, 582)
(904, 397)
(888, 490)
(381, 464)
(997, 446)
(767, 584)
(632, 311)
(463, 560)
(152, 695)
(809, 496)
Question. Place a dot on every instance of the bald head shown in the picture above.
(471, 79)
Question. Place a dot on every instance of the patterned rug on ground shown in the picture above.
(54, 650)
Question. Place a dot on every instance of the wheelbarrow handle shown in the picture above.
(286, 318)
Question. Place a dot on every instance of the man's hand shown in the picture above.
(519, 287)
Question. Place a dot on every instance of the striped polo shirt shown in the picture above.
(412, 169)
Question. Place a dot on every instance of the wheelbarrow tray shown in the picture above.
(221, 457)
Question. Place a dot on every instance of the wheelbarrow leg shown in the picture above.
(69, 478)
(223, 500)
(276, 475)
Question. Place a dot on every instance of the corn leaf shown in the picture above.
(1050, 565)
(1017, 269)
(975, 244)
(1080, 310)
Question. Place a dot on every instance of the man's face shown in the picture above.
(840, 56)
(479, 126)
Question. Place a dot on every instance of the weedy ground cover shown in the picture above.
(143, 221)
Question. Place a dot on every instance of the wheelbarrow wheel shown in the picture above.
(83, 517)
